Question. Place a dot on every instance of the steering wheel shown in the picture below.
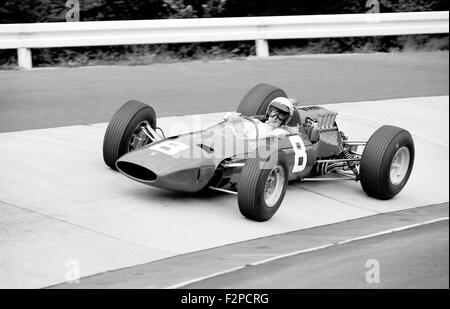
(231, 128)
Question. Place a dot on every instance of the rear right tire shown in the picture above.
(257, 99)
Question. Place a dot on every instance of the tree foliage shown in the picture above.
(31, 11)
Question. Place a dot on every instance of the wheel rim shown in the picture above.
(400, 165)
(274, 186)
(139, 137)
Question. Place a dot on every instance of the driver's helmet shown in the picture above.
(284, 107)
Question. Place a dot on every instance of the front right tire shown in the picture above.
(121, 133)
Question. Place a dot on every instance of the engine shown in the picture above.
(317, 120)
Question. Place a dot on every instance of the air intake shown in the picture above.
(136, 171)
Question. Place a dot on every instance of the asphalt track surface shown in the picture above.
(45, 98)
(415, 258)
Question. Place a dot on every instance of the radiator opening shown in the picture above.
(136, 171)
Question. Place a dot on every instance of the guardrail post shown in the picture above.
(24, 59)
(262, 48)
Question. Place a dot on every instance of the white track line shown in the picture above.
(398, 229)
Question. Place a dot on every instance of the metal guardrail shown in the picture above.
(261, 29)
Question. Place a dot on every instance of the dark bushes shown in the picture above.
(30, 11)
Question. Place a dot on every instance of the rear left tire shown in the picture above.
(387, 162)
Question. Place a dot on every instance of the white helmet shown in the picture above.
(284, 105)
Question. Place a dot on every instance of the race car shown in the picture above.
(234, 157)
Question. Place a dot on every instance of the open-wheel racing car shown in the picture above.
(234, 157)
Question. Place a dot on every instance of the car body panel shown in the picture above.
(189, 162)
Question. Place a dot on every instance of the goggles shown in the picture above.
(275, 113)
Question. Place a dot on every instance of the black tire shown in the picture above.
(257, 99)
(121, 127)
(376, 160)
(251, 186)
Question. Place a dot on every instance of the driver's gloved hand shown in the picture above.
(232, 117)
(278, 132)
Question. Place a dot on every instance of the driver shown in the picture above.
(273, 123)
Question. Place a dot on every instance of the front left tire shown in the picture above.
(262, 186)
